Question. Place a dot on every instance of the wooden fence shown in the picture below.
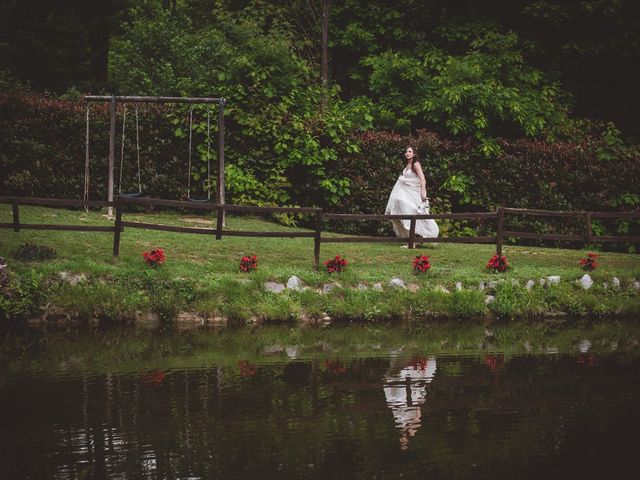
(121, 202)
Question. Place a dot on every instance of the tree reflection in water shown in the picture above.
(405, 390)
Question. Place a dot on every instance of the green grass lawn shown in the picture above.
(205, 264)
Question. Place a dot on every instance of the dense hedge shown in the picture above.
(594, 174)
(42, 154)
(42, 149)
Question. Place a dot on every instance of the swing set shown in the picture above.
(113, 100)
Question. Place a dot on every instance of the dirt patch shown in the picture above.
(202, 221)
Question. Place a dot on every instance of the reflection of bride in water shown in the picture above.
(405, 391)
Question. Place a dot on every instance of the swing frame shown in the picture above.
(113, 100)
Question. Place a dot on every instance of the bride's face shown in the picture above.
(408, 153)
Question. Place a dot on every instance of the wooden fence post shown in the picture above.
(587, 219)
(316, 240)
(412, 233)
(219, 221)
(499, 233)
(16, 215)
(118, 227)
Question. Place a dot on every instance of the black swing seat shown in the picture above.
(199, 200)
(130, 194)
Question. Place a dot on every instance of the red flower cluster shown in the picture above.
(421, 264)
(419, 363)
(589, 263)
(155, 377)
(335, 366)
(248, 263)
(154, 257)
(494, 362)
(247, 369)
(336, 264)
(498, 264)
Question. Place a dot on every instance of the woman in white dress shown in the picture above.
(409, 196)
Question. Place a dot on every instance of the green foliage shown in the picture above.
(22, 297)
(487, 91)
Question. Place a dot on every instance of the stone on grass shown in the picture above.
(362, 286)
(489, 299)
(492, 284)
(377, 286)
(616, 282)
(442, 289)
(397, 283)
(586, 281)
(481, 286)
(327, 287)
(584, 346)
(543, 281)
(294, 283)
(553, 279)
(274, 287)
(530, 284)
(413, 287)
(458, 286)
(71, 278)
(292, 352)
(636, 284)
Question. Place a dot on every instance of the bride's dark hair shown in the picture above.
(415, 154)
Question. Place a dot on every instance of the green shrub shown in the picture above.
(30, 252)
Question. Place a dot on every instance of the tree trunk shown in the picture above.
(326, 7)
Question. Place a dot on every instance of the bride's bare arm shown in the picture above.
(423, 183)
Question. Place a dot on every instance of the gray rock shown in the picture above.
(292, 352)
(377, 286)
(636, 284)
(584, 346)
(397, 283)
(274, 287)
(543, 281)
(489, 299)
(616, 282)
(362, 286)
(586, 281)
(553, 279)
(327, 287)
(530, 284)
(458, 286)
(441, 288)
(294, 283)
(272, 349)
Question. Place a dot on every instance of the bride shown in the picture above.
(409, 196)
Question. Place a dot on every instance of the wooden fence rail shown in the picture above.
(121, 202)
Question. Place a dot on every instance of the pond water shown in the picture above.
(337, 403)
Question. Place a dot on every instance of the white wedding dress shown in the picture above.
(405, 199)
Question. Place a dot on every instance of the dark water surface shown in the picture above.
(258, 404)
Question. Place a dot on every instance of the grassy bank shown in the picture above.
(126, 350)
(201, 276)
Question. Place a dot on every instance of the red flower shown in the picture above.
(498, 264)
(590, 262)
(335, 366)
(248, 263)
(336, 264)
(421, 264)
(494, 362)
(154, 377)
(154, 257)
(419, 363)
(247, 369)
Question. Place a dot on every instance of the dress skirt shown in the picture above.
(405, 199)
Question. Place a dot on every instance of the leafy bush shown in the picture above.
(30, 252)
